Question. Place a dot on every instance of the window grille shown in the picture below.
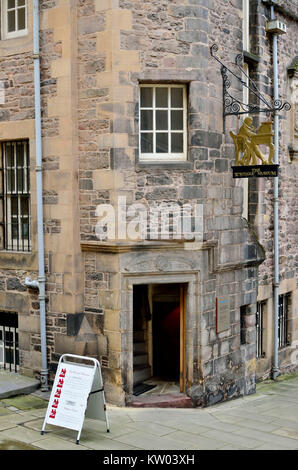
(283, 321)
(260, 328)
(9, 341)
(15, 196)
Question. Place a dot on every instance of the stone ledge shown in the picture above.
(125, 247)
(12, 384)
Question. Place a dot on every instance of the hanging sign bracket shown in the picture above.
(235, 107)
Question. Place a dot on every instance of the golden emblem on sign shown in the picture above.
(247, 143)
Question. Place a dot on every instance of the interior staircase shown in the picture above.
(141, 368)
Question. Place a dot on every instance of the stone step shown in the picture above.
(139, 359)
(12, 384)
(141, 373)
(167, 400)
(138, 336)
(139, 348)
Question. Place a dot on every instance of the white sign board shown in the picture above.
(77, 391)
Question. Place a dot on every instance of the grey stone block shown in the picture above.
(192, 192)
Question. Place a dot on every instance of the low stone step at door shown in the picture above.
(141, 373)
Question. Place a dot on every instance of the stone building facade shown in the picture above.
(106, 297)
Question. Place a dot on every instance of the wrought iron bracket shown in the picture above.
(235, 107)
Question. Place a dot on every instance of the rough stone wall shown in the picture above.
(263, 220)
(17, 74)
(58, 101)
(166, 42)
(261, 211)
(94, 54)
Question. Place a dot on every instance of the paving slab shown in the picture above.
(143, 440)
(287, 432)
(24, 403)
(234, 439)
(10, 444)
(22, 434)
(54, 442)
(12, 384)
(265, 421)
(197, 441)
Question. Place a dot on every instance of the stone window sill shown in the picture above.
(179, 165)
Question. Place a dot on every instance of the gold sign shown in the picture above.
(247, 143)
(250, 159)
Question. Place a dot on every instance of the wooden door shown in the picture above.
(182, 338)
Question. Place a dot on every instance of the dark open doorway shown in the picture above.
(166, 340)
(158, 318)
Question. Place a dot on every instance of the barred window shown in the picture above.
(283, 321)
(243, 311)
(9, 341)
(15, 196)
(163, 115)
(14, 18)
(260, 328)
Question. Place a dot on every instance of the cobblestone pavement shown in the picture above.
(267, 420)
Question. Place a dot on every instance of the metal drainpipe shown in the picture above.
(275, 368)
(38, 169)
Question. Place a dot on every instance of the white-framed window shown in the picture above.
(15, 196)
(14, 18)
(246, 32)
(163, 122)
(245, 181)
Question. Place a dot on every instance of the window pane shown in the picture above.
(9, 156)
(161, 97)
(11, 21)
(162, 143)
(10, 181)
(177, 97)
(162, 120)
(20, 155)
(177, 120)
(177, 143)
(25, 229)
(14, 206)
(1, 237)
(21, 2)
(14, 228)
(146, 97)
(8, 338)
(147, 142)
(11, 4)
(1, 211)
(20, 180)
(146, 120)
(9, 356)
(21, 19)
(24, 206)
